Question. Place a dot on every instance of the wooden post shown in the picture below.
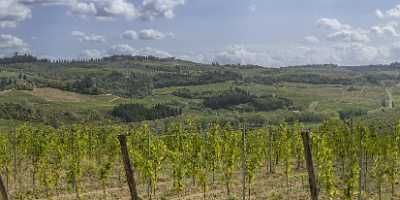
(271, 162)
(310, 165)
(362, 167)
(3, 190)
(243, 158)
(128, 169)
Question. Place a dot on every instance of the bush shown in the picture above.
(306, 117)
(271, 103)
(229, 98)
(138, 112)
(351, 113)
(20, 112)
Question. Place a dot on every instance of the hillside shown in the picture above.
(64, 92)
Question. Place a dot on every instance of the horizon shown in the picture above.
(100, 59)
(269, 34)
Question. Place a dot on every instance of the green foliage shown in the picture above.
(138, 112)
(228, 98)
(67, 156)
(352, 113)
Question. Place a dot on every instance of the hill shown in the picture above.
(63, 92)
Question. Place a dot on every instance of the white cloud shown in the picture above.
(151, 9)
(357, 53)
(379, 14)
(391, 13)
(394, 12)
(146, 34)
(144, 9)
(82, 8)
(114, 8)
(311, 39)
(387, 29)
(339, 53)
(348, 36)
(91, 53)
(43, 2)
(12, 12)
(236, 54)
(11, 42)
(148, 51)
(129, 35)
(331, 23)
(83, 37)
(150, 34)
(124, 49)
(239, 54)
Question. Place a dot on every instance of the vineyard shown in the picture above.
(190, 161)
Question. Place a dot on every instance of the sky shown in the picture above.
(263, 32)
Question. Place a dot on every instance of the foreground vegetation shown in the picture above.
(351, 160)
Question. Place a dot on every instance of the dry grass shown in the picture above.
(51, 94)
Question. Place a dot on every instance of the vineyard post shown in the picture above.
(3, 190)
(149, 159)
(243, 163)
(310, 165)
(362, 166)
(271, 163)
(128, 168)
(15, 167)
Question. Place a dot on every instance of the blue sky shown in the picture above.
(263, 32)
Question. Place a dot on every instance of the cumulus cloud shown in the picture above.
(92, 53)
(342, 32)
(239, 54)
(43, 2)
(143, 9)
(350, 53)
(357, 53)
(107, 9)
(10, 44)
(387, 29)
(9, 41)
(12, 12)
(391, 13)
(331, 23)
(348, 36)
(379, 14)
(148, 51)
(124, 49)
(129, 35)
(82, 8)
(83, 37)
(150, 34)
(146, 34)
(394, 12)
(151, 9)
